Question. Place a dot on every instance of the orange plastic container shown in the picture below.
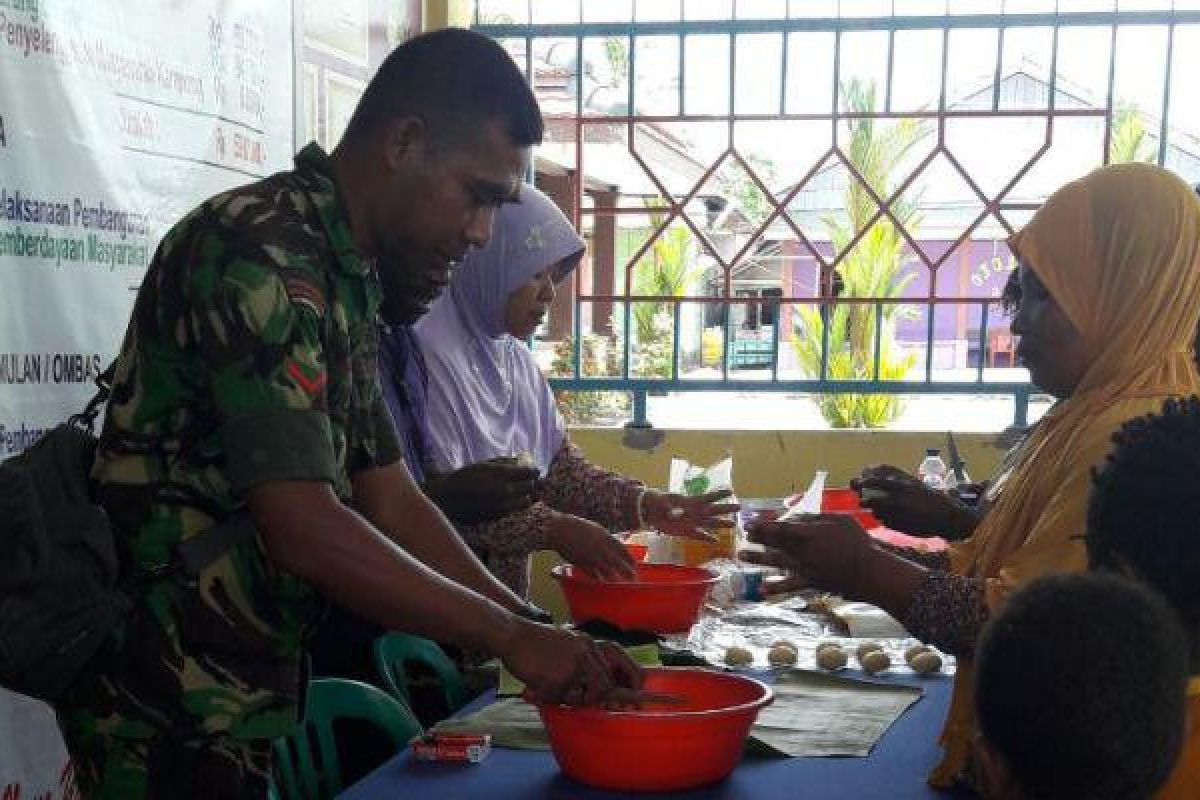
(665, 598)
(695, 552)
(638, 551)
(660, 748)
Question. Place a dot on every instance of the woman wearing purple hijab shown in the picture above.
(488, 401)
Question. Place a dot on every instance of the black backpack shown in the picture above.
(61, 587)
(58, 560)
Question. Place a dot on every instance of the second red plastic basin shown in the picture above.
(664, 599)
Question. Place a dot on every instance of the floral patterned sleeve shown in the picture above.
(574, 485)
(505, 544)
(949, 611)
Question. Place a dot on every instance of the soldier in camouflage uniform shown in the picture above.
(247, 381)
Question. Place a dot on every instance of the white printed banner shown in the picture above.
(116, 118)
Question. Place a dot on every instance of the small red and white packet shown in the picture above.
(470, 748)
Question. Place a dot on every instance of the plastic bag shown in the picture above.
(692, 480)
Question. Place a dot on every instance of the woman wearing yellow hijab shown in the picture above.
(1110, 298)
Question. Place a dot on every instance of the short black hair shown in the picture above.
(1081, 688)
(1144, 513)
(453, 80)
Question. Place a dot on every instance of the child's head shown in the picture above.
(1144, 517)
(1080, 692)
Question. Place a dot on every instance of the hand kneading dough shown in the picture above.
(781, 656)
(866, 647)
(875, 661)
(738, 657)
(831, 658)
(926, 663)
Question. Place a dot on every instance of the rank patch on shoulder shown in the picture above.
(309, 379)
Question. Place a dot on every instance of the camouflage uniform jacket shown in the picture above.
(250, 357)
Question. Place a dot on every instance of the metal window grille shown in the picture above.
(616, 142)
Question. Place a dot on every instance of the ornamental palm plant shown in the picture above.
(875, 268)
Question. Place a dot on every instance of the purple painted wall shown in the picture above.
(976, 269)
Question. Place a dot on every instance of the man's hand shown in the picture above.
(591, 548)
(484, 491)
(906, 504)
(689, 517)
(560, 666)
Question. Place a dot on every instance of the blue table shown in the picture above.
(895, 770)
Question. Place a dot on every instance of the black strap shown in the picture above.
(86, 419)
(197, 553)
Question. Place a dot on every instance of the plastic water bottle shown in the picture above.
(932, 471)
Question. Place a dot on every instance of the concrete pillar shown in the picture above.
(604, 261)
(447, 14)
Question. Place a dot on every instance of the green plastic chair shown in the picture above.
(306, 760)
(394, 650)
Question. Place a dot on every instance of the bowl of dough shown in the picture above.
(695, 740)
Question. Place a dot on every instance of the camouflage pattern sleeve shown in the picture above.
(264, 360)
(388, 449)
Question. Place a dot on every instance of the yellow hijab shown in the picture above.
(1119, 251)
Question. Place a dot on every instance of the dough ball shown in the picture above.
(914, 651)
(926, 663)
(738, 657)
(785, 643)
(867, 647)
(875, 661)
(781, 656)
(831, 658)
(828, 646)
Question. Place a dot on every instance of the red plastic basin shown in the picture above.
(660, 748)
(865, 518)
(638, 551)
(664, 599)
(840, 500)
(847, 501)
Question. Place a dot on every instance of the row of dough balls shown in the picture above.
(782, 654)
(831, 656)
(872, 658)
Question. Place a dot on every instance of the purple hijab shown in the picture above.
(487, 397)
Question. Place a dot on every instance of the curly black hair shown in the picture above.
(1081, 688)
(1144, 514)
